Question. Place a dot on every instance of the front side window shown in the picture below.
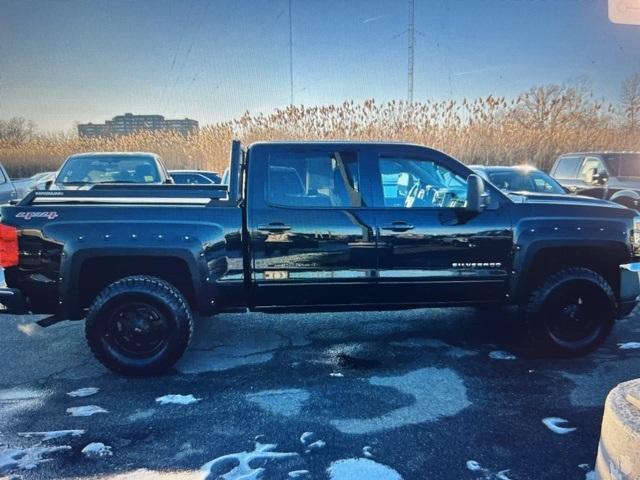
(590, 167)
(314, 180)
(415, 183)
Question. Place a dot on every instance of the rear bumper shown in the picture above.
(629, 288)
(11, 300)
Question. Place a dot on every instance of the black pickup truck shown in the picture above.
(309, 227)
(611, 176)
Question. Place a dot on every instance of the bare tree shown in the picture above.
(552, 105)
(630, 100)
(16, 130)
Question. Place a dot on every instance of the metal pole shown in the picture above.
(290, 54)
(412, 46)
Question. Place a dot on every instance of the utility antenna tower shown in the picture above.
(412, 48)
(290, 55)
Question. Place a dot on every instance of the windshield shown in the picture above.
(105, 169)
(525, 181)
(624, 164)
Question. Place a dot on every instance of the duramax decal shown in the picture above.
(29, 215)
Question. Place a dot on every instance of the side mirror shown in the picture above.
(48, 184)
(476, 196)
(601, 178)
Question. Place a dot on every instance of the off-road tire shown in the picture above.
(162, 298)
(543, 311)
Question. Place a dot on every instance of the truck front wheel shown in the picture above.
(570, 313)
(139, 326)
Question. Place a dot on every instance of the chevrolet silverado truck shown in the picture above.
(311, 227)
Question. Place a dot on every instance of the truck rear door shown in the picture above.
(312, 237)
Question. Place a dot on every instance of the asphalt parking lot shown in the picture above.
(425, 394)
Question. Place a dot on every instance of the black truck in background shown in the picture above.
(309, 227)
(613, 176)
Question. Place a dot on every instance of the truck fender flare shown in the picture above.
(524, 259)
(72, 267)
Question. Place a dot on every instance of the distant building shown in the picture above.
(129, 123)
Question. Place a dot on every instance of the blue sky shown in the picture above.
(85, 60)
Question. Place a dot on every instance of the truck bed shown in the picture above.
(67, 238)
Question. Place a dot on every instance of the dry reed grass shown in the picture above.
(533, 128)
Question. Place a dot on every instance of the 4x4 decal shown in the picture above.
(29, 215)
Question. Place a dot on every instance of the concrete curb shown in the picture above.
(619, 448)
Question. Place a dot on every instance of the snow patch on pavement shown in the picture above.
(553, 424)
(298, 473)
(186, 450)
(306, 437)
(46, 436)
(336, 374)
(177, 399)
(361, 469)
(141, 414)
(26, 458)
(487, 474)
(629, 345)
(97, 450)
(317, 445)
(437, 392)
(502, 355)
(238, 466)
(85, 410)
(84, 392)
(287, 402)
(367, 451)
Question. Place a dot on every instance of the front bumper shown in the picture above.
(629, 288)
(11, 300)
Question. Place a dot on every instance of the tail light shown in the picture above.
(8, 246)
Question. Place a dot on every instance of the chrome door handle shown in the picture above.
(274, 227)
(398, 226)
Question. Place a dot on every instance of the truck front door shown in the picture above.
(312, 238)
(431, 249)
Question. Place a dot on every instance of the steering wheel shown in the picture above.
(412, 195)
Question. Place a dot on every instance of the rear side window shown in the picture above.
(567, 167)
(298, 179)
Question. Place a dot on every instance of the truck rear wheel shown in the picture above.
(570, 313)
(139, 326)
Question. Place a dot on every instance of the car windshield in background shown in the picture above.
(130, 169)
(525, 181)
(624, 164)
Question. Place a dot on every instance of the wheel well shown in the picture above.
(627, 201)
(97, 273)
(604, 261)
